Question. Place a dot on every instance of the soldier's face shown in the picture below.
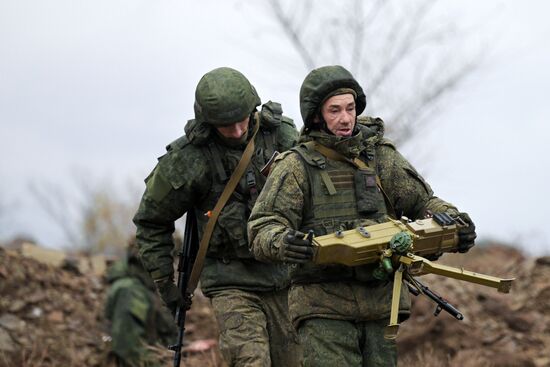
(339, 114)
(234, 131)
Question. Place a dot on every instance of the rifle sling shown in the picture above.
(227, 191)
(337, 156)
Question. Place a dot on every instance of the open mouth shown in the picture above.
(344, 131)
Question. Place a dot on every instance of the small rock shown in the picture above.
(36, 313)
(17, 306)
(106, 338)
(6, 342)
(56, 316)
(36, 297)
(520, 322)
(12, 323)
(491, 339)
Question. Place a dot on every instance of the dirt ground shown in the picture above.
(53, 316)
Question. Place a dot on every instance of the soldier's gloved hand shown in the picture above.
(170, 294)
(296, 248)
(466, 235)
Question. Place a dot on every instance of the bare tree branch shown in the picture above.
(292, 33)
(54, 203)
(401, 52)
(96, 219)
(405, 44)
(358, 33)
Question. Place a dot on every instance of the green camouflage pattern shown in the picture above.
(192, 176)
(254, 328)
(322, 81)
(339, 311)
(286, 203)
(188, 178)
(137, 316)
(329, 343)
(224, 96)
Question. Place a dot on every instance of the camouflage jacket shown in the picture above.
(307, 190)
(192, 176)
(136, 314)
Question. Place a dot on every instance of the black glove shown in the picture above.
(296, 248)
(170, 294)
(466, 235)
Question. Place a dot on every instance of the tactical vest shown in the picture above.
(229, 238)
(341, 197)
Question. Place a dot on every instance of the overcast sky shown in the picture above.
(100, 87)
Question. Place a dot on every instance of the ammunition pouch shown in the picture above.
(368, 197)
(229, 239)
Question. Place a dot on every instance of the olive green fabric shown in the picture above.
(137, 316)
(224, 96)
(343, 300)
(308, 190)
(342, 198)
(346, 343)
(254, 328)
(196, 168)
(321, 82)
(196, 171)
(287, 202)
(296, 197)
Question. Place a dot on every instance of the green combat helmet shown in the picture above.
(224, 96)
(318, 86)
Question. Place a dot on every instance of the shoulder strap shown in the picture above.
(214, 214)
(310, 155)
(334, 155)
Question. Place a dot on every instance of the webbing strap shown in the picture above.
(227, 191)
(217, 160)
(328, 183)
(337, 156)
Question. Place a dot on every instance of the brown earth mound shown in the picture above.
(54, 317)
(501, 330)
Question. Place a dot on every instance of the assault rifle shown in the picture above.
(384, 242)
(185, 264)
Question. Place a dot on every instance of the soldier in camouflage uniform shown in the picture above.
(340, 312)
(138, 317)
(249, 298)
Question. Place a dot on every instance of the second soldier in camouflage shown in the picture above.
(340, 312)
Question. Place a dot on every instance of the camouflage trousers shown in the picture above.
(255, 329)
(329, 342)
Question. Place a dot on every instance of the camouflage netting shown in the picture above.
(53, 317)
